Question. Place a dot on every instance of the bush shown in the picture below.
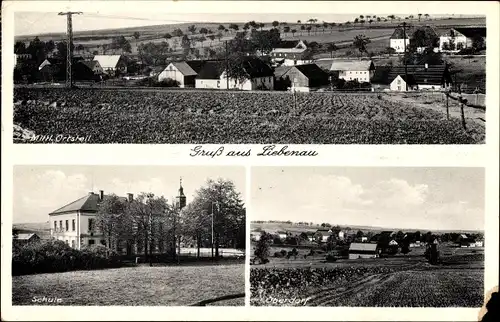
(278, 254)
(56, 256)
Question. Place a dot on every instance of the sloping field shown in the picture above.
(218, 117)
(165, 286)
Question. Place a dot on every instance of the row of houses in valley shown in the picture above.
(450, 40)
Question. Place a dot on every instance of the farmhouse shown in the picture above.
(290, 53)
(25, 238)
(420, 77)
(363, 250)
(255, 235)
(322, 234)
(466, 241)
(54, 69)
(302, 78)
(112, 64)
(258, 76)
(360, 70)
(455, 39)
(94, 66)
(400, 40)
(184, 72)
(282, 234)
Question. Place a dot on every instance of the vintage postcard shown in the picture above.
(250, 160)
(220, 78)
(128, 235)
(379, 237)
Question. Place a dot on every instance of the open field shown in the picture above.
(134, 286)
(197, 116)
(406, 281)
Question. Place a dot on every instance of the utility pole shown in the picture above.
(227, 65)
(69, 43)
(212, 231)
(404, 54)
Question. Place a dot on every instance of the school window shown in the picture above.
(55, 224)
(73, 225)
(73, 243)
(67, 225)
(67, 242)
(91, 224)
(60, 225)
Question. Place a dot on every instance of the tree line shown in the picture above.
(152, 224)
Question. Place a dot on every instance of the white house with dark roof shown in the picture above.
(363, 250)
(400, 39)
(112, 64)
(290, 53)
(259, 75)
(455, 39)
(184, 72)
(350, 70)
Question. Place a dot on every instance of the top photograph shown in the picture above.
(136, 78)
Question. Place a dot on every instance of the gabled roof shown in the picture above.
(91, 63)
(468, 32)
(108, 61)
(311, 71)
(281, 70)
(363, 247)
(184, 68)
(24, 236)
(399, 33)
(352, 65)
(211, 70)
(409, 79)
(432, 75)
(254, 67)
(88, 203)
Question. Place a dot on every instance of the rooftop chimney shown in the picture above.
(101, 194)
(130, 196)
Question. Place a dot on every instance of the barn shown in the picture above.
(26, 238)
(184, 72)
(302, 78)
(363, 250)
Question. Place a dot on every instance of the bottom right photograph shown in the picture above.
(367, 236)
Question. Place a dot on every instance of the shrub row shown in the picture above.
(56, 256)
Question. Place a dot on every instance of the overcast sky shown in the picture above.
(36, 23)
(42, 189)
(412, 198)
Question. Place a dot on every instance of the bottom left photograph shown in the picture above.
(128, 235)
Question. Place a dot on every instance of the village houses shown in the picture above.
(291, 53)
(259, 76)
(300, 78)
(359, 70)
(455, 39)
(112, 64)
(184, 72)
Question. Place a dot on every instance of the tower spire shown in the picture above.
(181, 197)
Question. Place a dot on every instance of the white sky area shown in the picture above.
(42, 189)
(411, 198)
(37, 23)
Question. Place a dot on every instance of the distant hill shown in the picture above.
(42, 229)
(284, 226)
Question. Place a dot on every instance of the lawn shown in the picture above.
(165, 286)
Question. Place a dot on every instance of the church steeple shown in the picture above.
(181, 197)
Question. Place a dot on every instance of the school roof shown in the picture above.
(352, 65)
(107, 61)
(88, 203)
(363, 247)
